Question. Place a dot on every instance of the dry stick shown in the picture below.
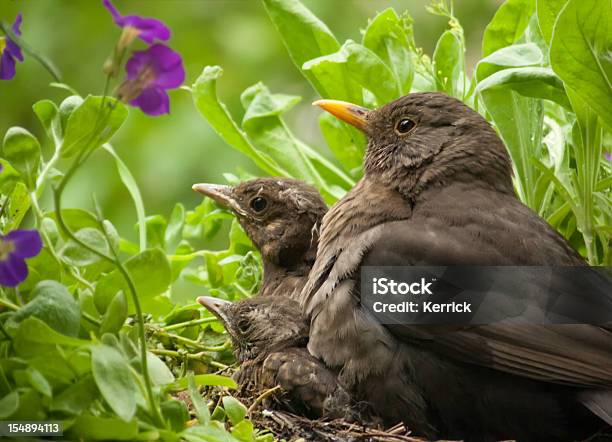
(263, 396)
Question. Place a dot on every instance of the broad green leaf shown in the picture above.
(449, 64)
(77, 397)
(306, 37)
(235, 410)
(518, 55)
(533, 82)
(363, 66)
(390, 37)
(580, 53)
(150, 271)
(78, 256)
(199, 404)
(547, 11)
(204, 379)
(213, 432)
(33, 330)
(215, 113)
(176, 413)
(114, 380)
(67, 107)
(8, 177)
(77, 219)
(115, 315)
(9, 404)
(91, 124)
(264, 126)
(159, 372)
(340, 142)
(175, 227)
(38, 382)
(132, 187)
(52, 303)
(18, 206)
(22, 150)
(508, 25)
(89, 427)
(156, 230)
(48, 115)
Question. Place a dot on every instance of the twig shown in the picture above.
(269, 392)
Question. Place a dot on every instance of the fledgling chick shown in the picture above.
(281, 216)
(269, 337)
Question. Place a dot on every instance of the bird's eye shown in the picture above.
(404, 126)
(258, 204)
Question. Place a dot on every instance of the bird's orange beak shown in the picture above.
(348, 112)
(221, 194)
(216, 306)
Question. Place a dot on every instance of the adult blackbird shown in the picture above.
(281, 216)
(269, 337)
(437, 190)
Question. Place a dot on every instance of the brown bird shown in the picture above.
(269, 337)
(281, 216)
(437, 190)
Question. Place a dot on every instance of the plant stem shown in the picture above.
(9, 304)
(189, 323)
(187, 341)
(202, 357)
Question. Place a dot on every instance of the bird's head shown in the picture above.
(428, 137)
(280, 215)
(260, 325)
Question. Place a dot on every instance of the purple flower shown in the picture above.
(9, 51)
(147, 29)
(14, 249)
(608, 156)
(149, 74)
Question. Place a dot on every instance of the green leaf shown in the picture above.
(114, 380)
(306, 37)
(159, 372)
(33, 331)
(156, 230)
(363, 66)
(9, 404)
(92, 124)
(8, 178)
(265, 128)
(115, 315)
(89, 427)
(77, 397)
(176, 413)
(449, 64)
(132, 187)
(343, 146)
(235, 410)
(533, 82)
(77, 219)
(206, 101)
(52, 303)
(67, 107)
(38, 381)
(580, 53)
(150, 271)
(78, 256)
(205, 379)
(390, 37)
(508, 25)
(175, 227)
(199, 404)
(48, 115)
(547, 11)
(22, 149)
(19, 203)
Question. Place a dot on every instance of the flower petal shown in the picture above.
(168, 66)
(17, 24)
(13, 271)
(13, 49)
(7, 66)
(136, 63)
(117, 18)
(153, 101)
(27, 243)
(150, 29)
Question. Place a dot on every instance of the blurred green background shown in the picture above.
(168, 154)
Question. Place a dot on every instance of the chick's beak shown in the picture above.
(216, 306)
(347, 112)
(221, 194)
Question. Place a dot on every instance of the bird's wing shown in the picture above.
(579, 355)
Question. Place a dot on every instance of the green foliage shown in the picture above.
(73, 332)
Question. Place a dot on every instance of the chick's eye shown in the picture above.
(258, 204)
(405, 125)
